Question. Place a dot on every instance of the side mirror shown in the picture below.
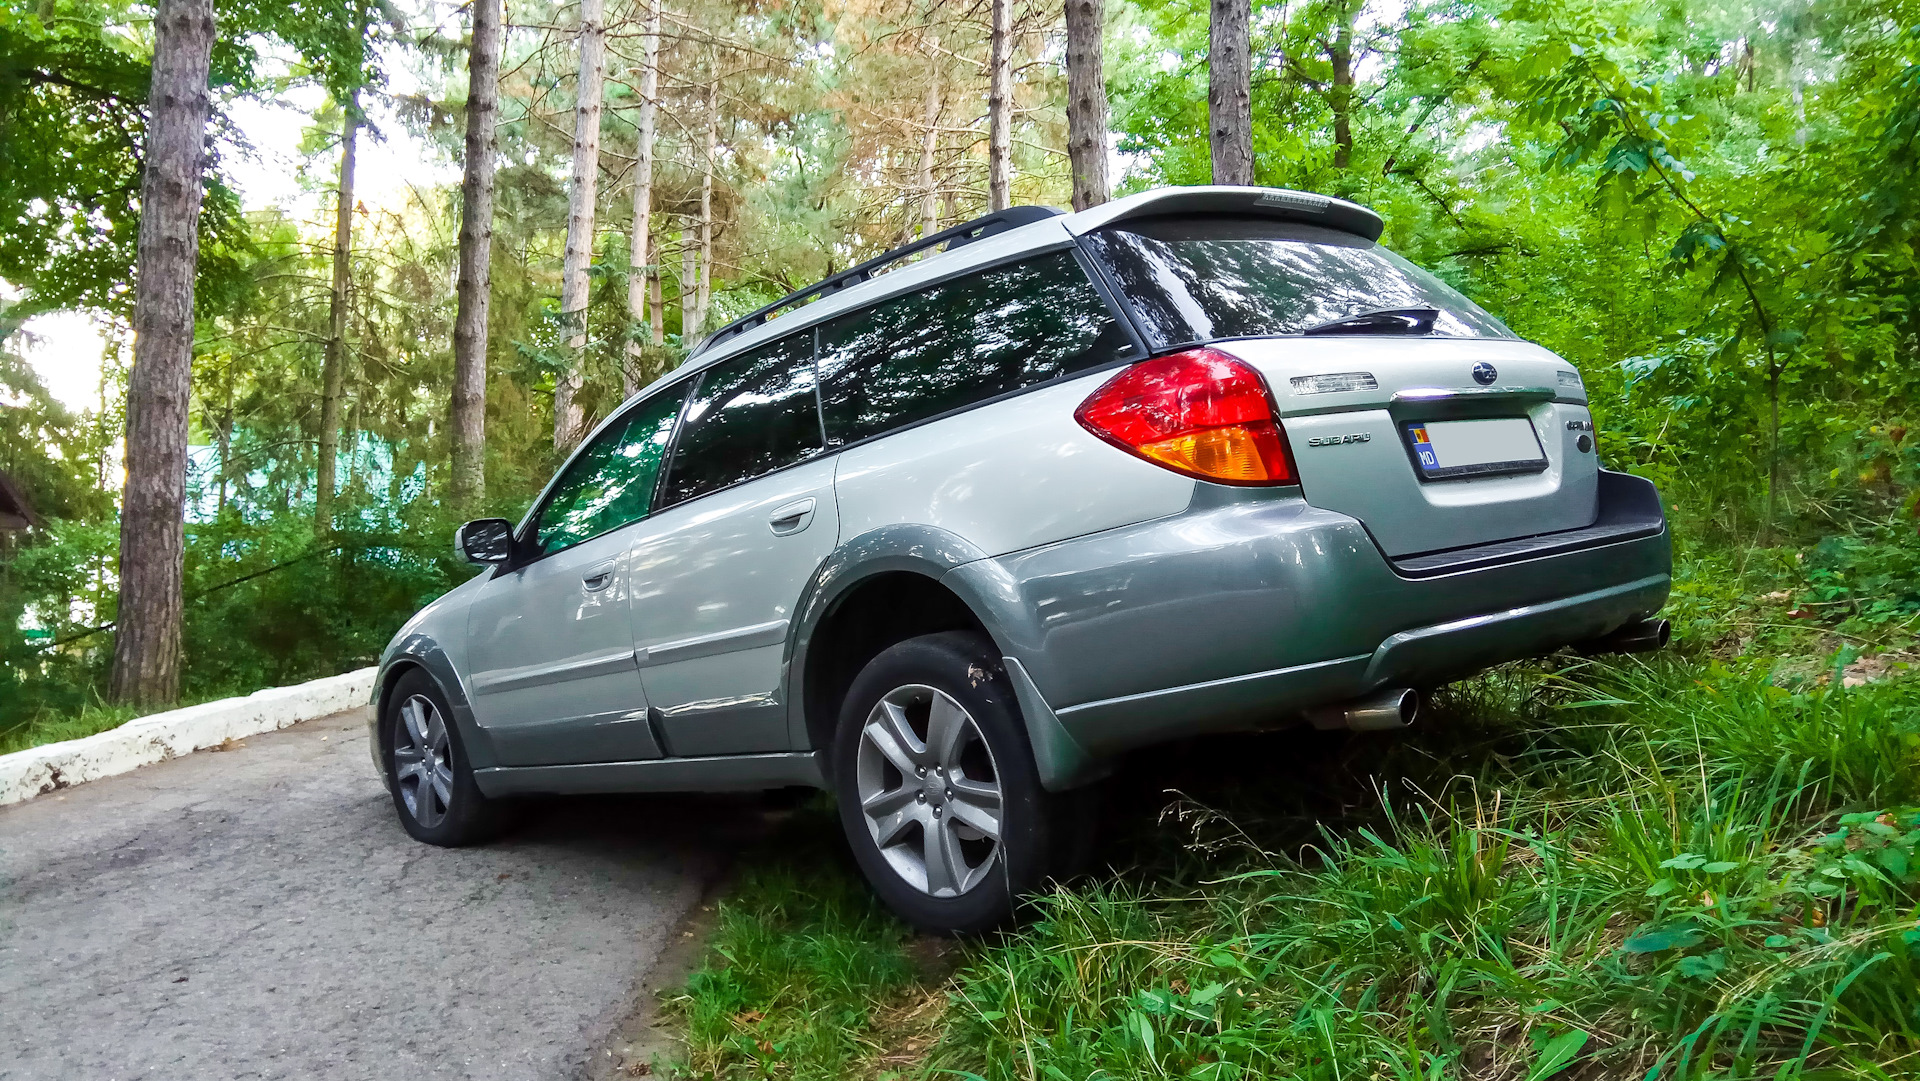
(485, 540)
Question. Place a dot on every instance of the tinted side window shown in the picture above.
(750, 415)
(611, 483)
(961, 342)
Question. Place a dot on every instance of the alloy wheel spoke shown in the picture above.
(416, 724)
(947, 726)
(443, 785)
(970, 813)
(888, 828)
(436, 731)
(882, 737)
(881, 804)
(407, 771)
(895, 719)
(946, 869)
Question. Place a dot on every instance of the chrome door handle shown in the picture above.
(598, 580)
(791, 518)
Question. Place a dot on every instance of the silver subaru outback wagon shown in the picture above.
(948, 540)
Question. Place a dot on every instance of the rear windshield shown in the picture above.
(1203, 279)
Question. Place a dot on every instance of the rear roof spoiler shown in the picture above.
(1300, 206)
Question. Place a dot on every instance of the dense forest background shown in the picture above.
(1711, 208)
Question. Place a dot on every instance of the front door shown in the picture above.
(550, 643)
(716, 577)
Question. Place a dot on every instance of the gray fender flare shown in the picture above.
(933, 553)
(421, 651)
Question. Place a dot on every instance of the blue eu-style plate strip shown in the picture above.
(1424, 448)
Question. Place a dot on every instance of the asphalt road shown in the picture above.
(258, 913)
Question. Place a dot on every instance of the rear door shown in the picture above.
(749, 515)
(1404, 404)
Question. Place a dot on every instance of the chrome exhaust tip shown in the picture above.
(1640, 636)
(1388, 710)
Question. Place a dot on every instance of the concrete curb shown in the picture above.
(160, 736)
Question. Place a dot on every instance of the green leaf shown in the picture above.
(1556, 1054)
(1685, 861)
(1704, 966)
(1894, 862)
(1674, 936)
(1661, 888)
(1720, 868)
(1777, 941)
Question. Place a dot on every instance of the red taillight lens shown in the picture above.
(1200, 412)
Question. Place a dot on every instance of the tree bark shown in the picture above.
(656, 300)
(1230, 91)
(929, 147)
(704, 288)
(1086, 103)
(689, 304)
(333, 372)
(637, 254)
(146, 648)
(568, 420)
(1341, 99)
(1000, 108)
(469, 419)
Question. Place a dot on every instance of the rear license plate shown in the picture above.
(1473, 448)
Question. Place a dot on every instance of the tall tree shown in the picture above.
(930, 146)
(333, 372)
(469, 403)
(146, 650)
(637, 247)
(1000, 107)
(1230, 91)
(1340, 97)
(568, 419)
(703, 289)
(1086, 103)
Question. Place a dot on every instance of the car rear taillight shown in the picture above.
(1200, 412)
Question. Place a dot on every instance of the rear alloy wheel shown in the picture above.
(427, 769)
(937, 788)
(931, 802)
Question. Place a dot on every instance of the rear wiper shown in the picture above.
(1381, 321)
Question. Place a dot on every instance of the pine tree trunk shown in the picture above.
(637, 254)
(1230, 91)
(476, 252)
(689, 305)
(1341, 100)
(333, 373)
(656, 300)
(705, 286)
(1086, 103)
(1000, 108)
(568, 419)
(146, 648)
(929, 146)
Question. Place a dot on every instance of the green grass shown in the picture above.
(1632, 869)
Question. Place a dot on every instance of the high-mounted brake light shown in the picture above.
(1200, 412)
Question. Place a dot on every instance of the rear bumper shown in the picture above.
(1253, 606)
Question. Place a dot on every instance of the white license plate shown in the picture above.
(1466, 448)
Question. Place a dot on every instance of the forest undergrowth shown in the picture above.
(1695, 864)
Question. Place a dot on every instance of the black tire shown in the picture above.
(1043, 835)
(466, 816)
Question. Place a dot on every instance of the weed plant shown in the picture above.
(1671, 869)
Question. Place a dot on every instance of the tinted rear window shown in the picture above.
(749, 415)
(960, 342)
(1203, 279)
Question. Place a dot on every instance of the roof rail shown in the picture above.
(998, 222)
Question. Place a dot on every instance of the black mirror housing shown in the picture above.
(487, 541)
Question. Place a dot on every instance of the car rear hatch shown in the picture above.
(1400, 434)
(1404, 404)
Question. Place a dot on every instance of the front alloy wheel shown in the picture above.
(929, 790)
(422, 761)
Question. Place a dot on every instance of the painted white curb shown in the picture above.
(160, 736)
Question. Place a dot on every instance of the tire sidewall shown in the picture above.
(965, 667)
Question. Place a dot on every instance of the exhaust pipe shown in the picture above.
(1640, 636)
(1386, 710)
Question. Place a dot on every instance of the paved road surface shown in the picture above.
(258, 913)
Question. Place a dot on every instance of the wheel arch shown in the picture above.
(421, 652)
